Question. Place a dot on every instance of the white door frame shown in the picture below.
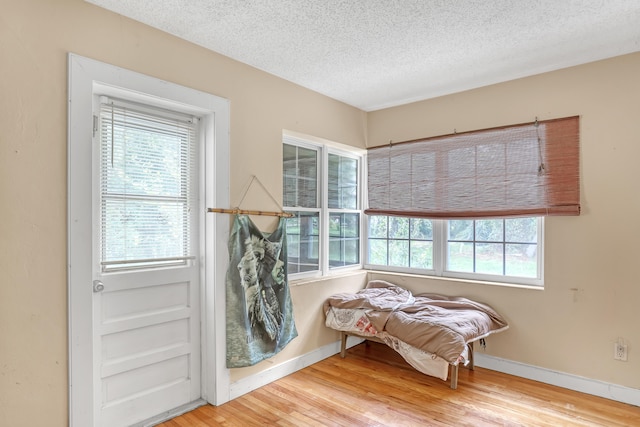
(85, 77)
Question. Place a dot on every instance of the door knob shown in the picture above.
(98, 286)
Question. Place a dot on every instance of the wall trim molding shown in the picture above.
(610, 391)
(561, 379)
(252, 382)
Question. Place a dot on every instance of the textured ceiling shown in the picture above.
(374, 54)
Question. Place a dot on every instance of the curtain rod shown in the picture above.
(250, 212)
(535, 123)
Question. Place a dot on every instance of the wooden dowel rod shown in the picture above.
(249, 212)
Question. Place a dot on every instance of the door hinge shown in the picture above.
(95, 125)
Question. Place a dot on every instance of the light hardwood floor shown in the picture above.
(373, 386)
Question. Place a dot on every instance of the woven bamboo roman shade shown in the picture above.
(522, 170)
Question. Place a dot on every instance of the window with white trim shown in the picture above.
(321, 187)
(497, 249)
(505, 178)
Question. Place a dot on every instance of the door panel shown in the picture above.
(147, 342)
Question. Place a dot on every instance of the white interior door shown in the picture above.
(146, 300)
(145, 329)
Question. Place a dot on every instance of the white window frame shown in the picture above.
(324, 148)
(440, 243)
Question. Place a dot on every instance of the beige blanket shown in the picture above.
(434, 323)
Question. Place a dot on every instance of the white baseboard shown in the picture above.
(569, 381)
(547, 376)
(165, 416)
(252, 382)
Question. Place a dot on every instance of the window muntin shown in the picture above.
(501, 250)
(322, 189)
(147, 162)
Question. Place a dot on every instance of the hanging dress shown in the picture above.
(260, 319)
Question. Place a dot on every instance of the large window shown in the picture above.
(506, 178)
(321, 187)
(500, 250)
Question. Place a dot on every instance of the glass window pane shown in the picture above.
(342, 182)
(335, 225)
(307, 178)
(290, 190)
(422, 254)
(307, 196)
(521, 260)
(461, 230)
(344, 234)
(344, 252)
(521, 230)
(351, 225)
(307, 163)
(348, 183)
(303, 242)
(145, 162)
(489, 258)
(352, 251)
(398, 227)
(289, 159)
(290, 174)
(378, 226)
(377, 252)
(399, 253)
(489, 230)
(300, 176)
(142, 229)
(293, 244)
(460, 257)
(333, 184)
(344, 225)
(336, 254)
(421, 229)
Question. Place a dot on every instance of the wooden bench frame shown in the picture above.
(453, 371)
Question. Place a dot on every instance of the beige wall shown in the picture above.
(35, 37)
(558, 328)
(592, 284)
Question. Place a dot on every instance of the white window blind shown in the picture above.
(147, 159)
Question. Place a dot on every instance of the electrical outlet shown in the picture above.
(620, 351)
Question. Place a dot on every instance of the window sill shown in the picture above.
(311, 280)
(459, 280)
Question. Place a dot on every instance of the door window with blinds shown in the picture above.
(147, 162)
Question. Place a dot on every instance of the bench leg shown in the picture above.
(343, 344)
(454, 377)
